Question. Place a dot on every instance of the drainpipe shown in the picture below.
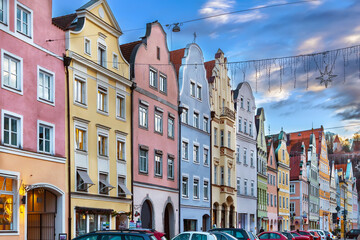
(180, 109)
(133, 86)
(67, 61)
(212, 114)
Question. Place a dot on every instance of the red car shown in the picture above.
(305, 233)
(158, 235)
(271, 235)
(297, 236)
(316, 235)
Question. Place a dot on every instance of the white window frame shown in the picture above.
(118, 114)
(206, 196)
(106, 99)
(161, 165)
(84, 90)
(197, 196)
(146, 116)
(101, 45)
(196, 122)
(192, 89)
(155, 76)
(147, 161)
(185, 195)
(183, 155)
(20, 119)
(83, 127)
(206, 123)
(171, 128)
(238, 185)
(52, 136)
(5, 13)
(20, 72)
(31, 20)
(216, 174)
(196, 156)
(293, 204)
(206, 159)
(51, 101)
(245, 187)
(172, 176)
(115, 62)
(158, 116)
(199, 96)
(292, 188)
(119, 138)
(185, 117)
(104, 134)
(85, 50)
(163, 85)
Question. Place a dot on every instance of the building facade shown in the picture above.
(99, 117)
(223, 198)
(32, 106)
(195, 138)
(155, 132)
(272, 171)
(263, 195)
(333, 202)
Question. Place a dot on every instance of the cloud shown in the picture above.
(313, 44)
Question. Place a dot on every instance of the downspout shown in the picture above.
(179, 160)
(67, 61)
(133, 86)
(212, 113)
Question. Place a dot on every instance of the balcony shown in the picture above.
(227, 189)
(225, 151)
(227, 112)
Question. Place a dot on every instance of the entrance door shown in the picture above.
(169, 221)
(41, 210)
(146, 215)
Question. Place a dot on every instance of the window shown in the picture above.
(120, 106)
(80, 139)
(102, 54)
(102, 145)
(87, 46)
(80, 90)
(252, 188)
(206, 157)
(143, 161)
(283, 202)
(222, 176)
(283, 155)
(275, 201)
(238, 186)
(252, 158)
(153, 78)
(245, 187)
(120, 152)
(238, 154)
(46, 86)
(163, 84)
(23, 19)
(170, 168)
(143, 116)
(83, 181)
(245, 126)
(206, 190)
(45, 139)
(185, 150)
(292, 207)
(229, 177)
(242, 102)
(196, 154)
(171, 131)
(279, 201)
(196, 188)
(185, 189)
(221, 138)
(198, 92)
(158, 122)
(271, 200)
(3, 11)
(192, 89)
(11, 72)
(271, 160)
(283, 178)
(287, 179)
(206, 124)
(248, 105)
(215, 174)
(158, 53)
(8, 208)
(268, 199)
(104, 186)
(158, 165)
(279, 177)
(196, 120)
(102, 99)
(287, 203)
(215, 137)
(184, 115)
(239, 125)
(250, 129)
(245, 161)
(229, 139)
(122, 189)
(11, 131)
(115, 61)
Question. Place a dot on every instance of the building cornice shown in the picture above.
(96, 20)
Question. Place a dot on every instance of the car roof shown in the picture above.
(192, 232)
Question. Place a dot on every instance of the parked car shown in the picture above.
(299, 236)
(223, 236)
(158, 235)
(117, 235)
(305, 233)
(288, 235)
(194, 236)
(353, 233)
(272, 235)
(239, 233)
(317, 235)
(329, 235)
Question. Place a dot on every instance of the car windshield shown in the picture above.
(320, 232)
(304, 233)
(183, 236)
(295, 234)
(287, 235)
(198, 236)
(236, 234)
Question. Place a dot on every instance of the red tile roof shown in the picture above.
(175, 58)
(64, 22)
(356, 146)
(336, 140)
(295, 167)
(127, 48)
(304, 136)
(209, 66)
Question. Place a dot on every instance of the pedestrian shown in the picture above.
(261, 230)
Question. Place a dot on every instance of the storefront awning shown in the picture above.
(85, 177)
(124, 188)
(94, 210)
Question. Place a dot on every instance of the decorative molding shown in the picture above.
(39, 156)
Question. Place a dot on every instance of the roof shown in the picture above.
(86, 5)
(209, 66)
(356, 146)
(304, 136)
(295, 167)
(176, 57)
(336, 140)
(127, 48)
(64, 22)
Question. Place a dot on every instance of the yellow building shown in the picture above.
(282, 158)
(99, 120)
(223, 143)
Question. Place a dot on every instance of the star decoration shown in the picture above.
(326, 76)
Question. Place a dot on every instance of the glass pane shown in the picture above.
(18, 25)
(47, 146)
(7, 210)
(6, 123)
(14, 125)
(47, 133)
(41, 132)
(41, 145)
(9, 184)
(25, 17)
(92, 222)
(18, 13)
(14, 139)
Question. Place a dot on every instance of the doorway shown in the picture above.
(146, 215)
(169, 221)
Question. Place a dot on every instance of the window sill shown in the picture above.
(185, 159)
(144, 128)
(197, 163)
(46, 102)
(84, 152)
(164, 93)
(103, 157)
(185, 197)
(171, 179)
(14, 90)
(121, 118)
(171, 138)
(89, 54)
(153, 87)
(159, 133)
(144, 173)
(79, 104)
(103, 112)
(158, 176)
(196, 199)
(206, 165)
(121, 160)
(23, 34)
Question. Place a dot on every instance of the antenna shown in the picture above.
(194, 37)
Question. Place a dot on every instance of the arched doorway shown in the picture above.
(223, 218)
(231, 217)
(146, 215)
(280, 225)
(45, 212)
(169, 221)
(214, 215)
(205, 223)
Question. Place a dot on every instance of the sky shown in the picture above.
(261, 34)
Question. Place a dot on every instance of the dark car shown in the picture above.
(353, 233)
(223, 236)
(239, 233)
(288, 235)
(117, 235)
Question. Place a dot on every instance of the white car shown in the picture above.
(320, 232)
(195, 236)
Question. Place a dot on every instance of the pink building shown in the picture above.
(155, 136)
(32, 104)
(272, 208)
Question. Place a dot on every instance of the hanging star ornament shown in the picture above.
(326, 76)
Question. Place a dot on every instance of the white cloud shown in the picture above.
(213, 35)
(311, 45)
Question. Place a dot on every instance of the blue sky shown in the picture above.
(260, 34)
